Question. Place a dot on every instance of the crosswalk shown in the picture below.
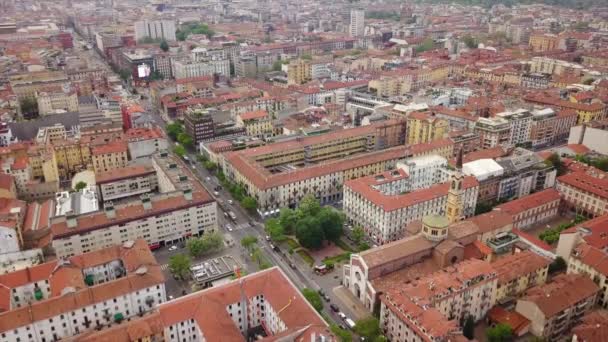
(164, 267)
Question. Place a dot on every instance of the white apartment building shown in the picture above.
(189, 68)
(265, 300)
(425, 171)
(126, 182)
(357, 22)
(144, 142)
(520, 122)
(384, 216)
(155, 29)
(431, 308)
(493, 132)
(183, 208)
(50, 103)
(65, 297)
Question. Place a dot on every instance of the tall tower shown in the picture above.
(357, 22)
(455, 205)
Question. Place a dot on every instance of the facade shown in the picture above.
(555, 307)
(155, 29)
(109, 157)
(423, 172)
(357, 23)
(280, 174)
(299, 71)
(549, 127)
(431, 308)
(592, 135)
(520, 122)
(518, 272)
(257, 123)
(183, 208)
(199, 124)
(423, 127)
(189, 69)
(63, 298)
(264, 306)
(143, 142)
(586, 193)
(493, 132)
(50, 103)
(542, 42)
(592, 262)
(126, 182)
(384, 216)
(29, 84)
(524, 172)
(534, 209)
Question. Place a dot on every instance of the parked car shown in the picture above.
(326, 297)
(207, 179)
(334, 308)
(229, 227)
(349, 322)
(341, 315)
(216, 193)
(172, 248)
(230, 201)
(267, 237)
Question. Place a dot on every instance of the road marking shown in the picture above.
(164, 267)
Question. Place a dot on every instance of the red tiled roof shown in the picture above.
(578, 148)
(6, 181)
(533, 240)
(529, 202)
(516, 321)
(112, 147)
(596, 231)
(123, 173)
(593, 327)
(586, 182)
(258, 114)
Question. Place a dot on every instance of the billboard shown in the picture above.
(143, 70)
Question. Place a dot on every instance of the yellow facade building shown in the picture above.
(109, 157)
(518, 272)
(299, 71)
(423, 127)
(257, 123)
(543, 42)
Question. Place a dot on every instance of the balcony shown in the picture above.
(502, 242)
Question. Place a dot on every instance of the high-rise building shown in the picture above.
(155, 29)
(357, 22)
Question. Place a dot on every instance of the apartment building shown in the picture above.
(189, 68)
(591, 232)
(299, 71)
(592, 262)
(257, 123)
(555, 307)
(524, 172)
(431, 308)
(384, 215)
(592, 135)
(143, 142)
(51, 103)
(424, 127)
(584, 192)
(493, 132)
(181, 209)
(280, 174)
(534, 209)
(264, 306)
(65, 297)
(108, 157)
(420, 172)
(357, 22)
(587, 111)
(541, 42)
(551, 66)
(520, 122)
(155, 29)
(29, 84)
(592, 327)
(126, 182)
(518, 272)
(550, 127)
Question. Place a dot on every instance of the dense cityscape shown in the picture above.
(318, 171)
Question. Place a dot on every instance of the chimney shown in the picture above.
(71, 221)
(188, 194)
(109, 209)
(146, 202)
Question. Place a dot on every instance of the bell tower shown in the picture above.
(454, 206)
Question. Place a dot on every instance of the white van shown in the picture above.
(350, 323)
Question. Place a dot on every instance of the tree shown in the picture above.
(185, 140)
(309, 233)
(208, 243)
(559, 264)
(156, 76)
(470, 42)
(426, 45)
(249, 203)
(288, 219)
(306, 56)
(555, 161)
(368, 327)
(174, 129)
(196, 247)
(469, 328)
(179, 150)
(500, 333)
(343, 335)
(357, 235)
(210, 166)
(313, 298)
(276, 66)
(80, 185)
(179, 265)
(164, 46)
(482, 207)
(309, 206)
(124, 74)
(274, 229)
(331, 222)
(249, 241)
(29, 105)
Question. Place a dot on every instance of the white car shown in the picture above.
(216, 193)
(229, 227)
(173, 248)
(341, 315)
(230, 201)
(207, 178)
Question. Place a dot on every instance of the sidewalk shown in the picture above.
(355, 307)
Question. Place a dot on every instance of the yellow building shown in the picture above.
(543, 42)
(257, 123)
(593, 262)
(109, 156)
(72, 156)
(43, 163)
(299, 71)
(518, 272)
(28, 84)
(423, 127)
(388, 86)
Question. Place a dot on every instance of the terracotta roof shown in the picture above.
(578, 148)
(123, 173)
(515, 265)
(20, 163)
(592, 256)
(516, 321)
(62, 275)
(6, 181)
(586, 182)
(112, 147)
(595, 231)
(395, 250)
(593, 327)
(491, 221)
(564, 291)
(529, 202)
(363, 186)
(533, 240)
(208, 309)
(258, 114)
